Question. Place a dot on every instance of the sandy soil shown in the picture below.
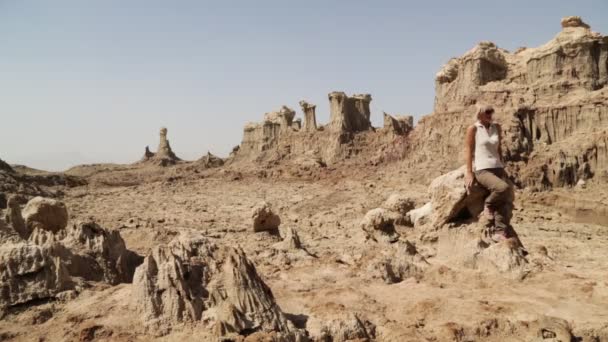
(570, 282)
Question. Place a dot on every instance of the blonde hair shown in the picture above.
(481, 108)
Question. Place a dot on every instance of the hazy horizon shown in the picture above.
(93, 82)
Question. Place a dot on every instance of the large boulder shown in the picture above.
(264, 218)
(451, 201)
(194, 280)
(91, 252)
(45, 213)
(379, 225)
(30, 272)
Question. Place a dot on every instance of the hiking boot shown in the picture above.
(499, 235)
(487, 217)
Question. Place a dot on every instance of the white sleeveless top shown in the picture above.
(486, 147)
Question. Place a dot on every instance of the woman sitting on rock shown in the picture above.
(484, 164)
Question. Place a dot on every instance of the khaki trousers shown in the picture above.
(501, 194)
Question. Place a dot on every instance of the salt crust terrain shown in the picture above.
(335, 232)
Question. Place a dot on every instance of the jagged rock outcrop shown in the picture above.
(194, 280)
(281, 139)
(147, 154)
(260, 137)
(164, 155)
(310, 117)
(573, 21)
(349, 114)
(4, 166)
(264, 218)
(296, 125)
(209, 160)
(97, 254)
(30, 272)
(398, 125)
(552, 103)
(283, 117)
(45, 213)
(39, 256)
(291, 240)
(90, 252)
(30, 185)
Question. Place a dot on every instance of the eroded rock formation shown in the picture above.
(310, 117)
(552, 102)
(209, 160)
(39, 257)
(97, 254)
(280, 137)
(399, 125)
(30, 272)
(164, 155)
(194, 280)
(463, 241)
(349, 114)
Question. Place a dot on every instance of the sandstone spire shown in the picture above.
(349, 114)
(164, 155)
(164, 149)
(573, 21)
(310, 118)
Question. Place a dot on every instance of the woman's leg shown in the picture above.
(500, 194)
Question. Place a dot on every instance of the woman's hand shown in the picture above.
(469, 178)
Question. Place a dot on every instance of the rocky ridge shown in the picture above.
(550, 100)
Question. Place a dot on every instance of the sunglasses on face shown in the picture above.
(489, 112)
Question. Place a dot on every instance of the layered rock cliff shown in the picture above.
(552, 103)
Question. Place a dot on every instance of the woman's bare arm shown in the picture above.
(469, 147)
(499, 129)
(469, 151)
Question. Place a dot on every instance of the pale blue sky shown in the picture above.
(93, 81)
